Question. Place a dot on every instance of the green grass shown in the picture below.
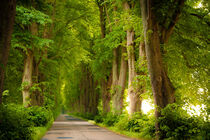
(40, 131)
(129, 134)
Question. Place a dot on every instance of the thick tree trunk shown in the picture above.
(114, 70)
(36, 97)
(163, 90)
(7, 16)
(106, 97)
(133, 95)
(28, 71)
(27, 78)
(117, 98)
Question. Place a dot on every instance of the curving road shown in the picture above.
(69, 128)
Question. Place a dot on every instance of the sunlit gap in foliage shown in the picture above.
(192, 110)
(196, 110)
(199, 5)
(146, 106)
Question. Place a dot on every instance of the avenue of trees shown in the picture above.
(100, 59)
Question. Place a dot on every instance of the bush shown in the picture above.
(123, 122)
(98, 119)
(137, 123)
(39, 116)
(14, 123)
(110, 119)
(17, 122)
(176, 123)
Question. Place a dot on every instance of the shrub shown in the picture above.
(175, 123)
(110, 119)
(98, 119)
(123, 122)
(14, 123)
(39, 116)
(137, 123)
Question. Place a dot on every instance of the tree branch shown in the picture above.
(167, 32)
(200, 17)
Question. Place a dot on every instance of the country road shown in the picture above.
(67, 127)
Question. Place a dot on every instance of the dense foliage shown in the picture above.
(18, 122)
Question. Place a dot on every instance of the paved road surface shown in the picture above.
(69, 128)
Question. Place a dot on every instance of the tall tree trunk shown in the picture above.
(36, 97)
(114, 70)
(7, 16)
(35, 74)
(118, 80)
(135, 101)
(133, 95)
(88, 98)
(27, 78)
(117, 98)
(115, 80)
(28, 71)
(106, 97)
(102, 18)
(154, 34)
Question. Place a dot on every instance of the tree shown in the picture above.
(7, 17)
(135, 100)
(158, 27)
(106, 81)
(119, 69)
(26, 38)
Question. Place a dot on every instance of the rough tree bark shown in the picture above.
(155, 34)
(28, 69)
(27, 78)
(7, 17)
(134, 96)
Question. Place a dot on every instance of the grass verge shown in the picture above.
(129, 134)
(39, 132)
